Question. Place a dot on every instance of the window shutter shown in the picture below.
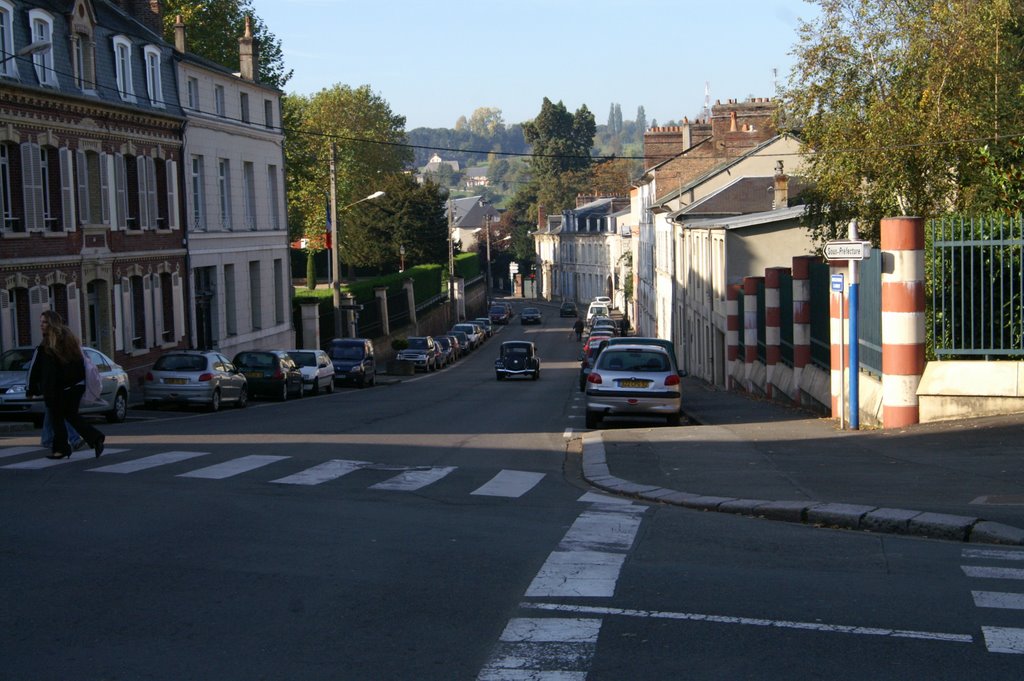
(74, 310)
(147, 307)
(118, 320)
(173, 214)
(121, 191)
(179, 307)
(141, 171)
(154, 209)
(67, 189)
(6, 323)
(84, 213)
(158, 312)
(32, 186)
(38, 301)
(105, 202)
(128, 328)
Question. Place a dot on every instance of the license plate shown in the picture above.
(633, 383)
(254, 374)
(176, 381)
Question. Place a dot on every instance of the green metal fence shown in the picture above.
(869, 313)
(975, 277)
(786, 317)
(821, 330)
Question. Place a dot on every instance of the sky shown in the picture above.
(436, 61)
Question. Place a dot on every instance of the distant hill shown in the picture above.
(460, 145)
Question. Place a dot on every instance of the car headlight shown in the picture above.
(356, 370)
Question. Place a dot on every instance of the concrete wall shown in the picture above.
(951, 390)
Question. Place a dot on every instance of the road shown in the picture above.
(439, 529)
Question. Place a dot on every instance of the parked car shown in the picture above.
(633, 380)
(600, 334)
(422, 352)
(317, 370)
(530, 315)
(472, 334)
(668, 345)
(446, 347)
(485, 323)
(603, 300)
(568, 309)
(194, 377)
(353, 360)
(270, 372)
(464, 345)
(14, 366)
(588, 359)
(596, 310)
(500, 313)
(517, 358)
(598, 323)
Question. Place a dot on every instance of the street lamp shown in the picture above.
(401, 258)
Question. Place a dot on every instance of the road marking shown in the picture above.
(1004, 640)
(995, 554)
(603, 529)
(577, 574)
(410, 481)
(552, 629)
(998, 599)
(752, 621)
(598, 498)
(15, 451)
(992, 572)
(568, 433)
(328, 470)
(543, 649)
(43, 462)
(234, 467)
(148, 462)
(512, 484)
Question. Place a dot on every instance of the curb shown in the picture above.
(819, 514)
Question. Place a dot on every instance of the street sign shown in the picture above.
(837, 283)
(846, 249)
(514, 268)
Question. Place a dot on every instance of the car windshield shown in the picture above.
(497, 310)
(443, 342)
(16, 360)
(347, 352)
(466, 328)
(180, 363)
(531, 310)
(255, 360)
(304, 359)
(417, 343)
(633, 360)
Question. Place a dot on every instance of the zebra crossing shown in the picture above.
(1007, 566)
(505, 483)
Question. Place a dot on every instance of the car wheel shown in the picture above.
(593, 418)
(120, 410)
(316, 385)
(215, 401)
(536, 375)
(283, 397)
(373, 380)
(330, 385)
(497, 375)
(243, 398)
(673, 420)
(149, 404)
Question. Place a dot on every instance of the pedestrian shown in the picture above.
(578, 328)
(58, 375)
(624, 326)
(46, 436)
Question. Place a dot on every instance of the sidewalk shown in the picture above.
(960, 480)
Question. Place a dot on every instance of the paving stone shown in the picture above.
(890, 520)
(838, 515)
(941, 526)
(790, 511)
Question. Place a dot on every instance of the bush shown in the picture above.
(399, 344)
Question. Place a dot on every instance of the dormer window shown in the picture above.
(123, 67)
(83, 55)
(41, 23)
(8, 66)
(154, 86)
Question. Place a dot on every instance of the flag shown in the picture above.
(327, 233)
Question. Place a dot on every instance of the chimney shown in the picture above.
(732, 121)
(542, 218)
(179, 34)
(247, 53)
(148, 13)
(781, 199)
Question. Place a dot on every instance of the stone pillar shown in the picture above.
(410, 295)
(801, 321)
(750, 329)
(839, 357)
(381, 294)
(546, 292)
(732, 334)
(773, 323)
(348, 315)
(460, 299)
(903, 319)
(310, 325)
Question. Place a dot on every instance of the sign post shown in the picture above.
(852, 250)
(837, 287)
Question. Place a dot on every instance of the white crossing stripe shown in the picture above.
(15, 451)
(604, 529)
(328, 470)
(43, 462)
(543, 649)
(509, 484)
(998, 599)
(598, 498)
(237, 466)
(148, 462)
(994, 554)
(577, 574)
(409, 481)
(1004, 640)
(552, 629)
(992, 572)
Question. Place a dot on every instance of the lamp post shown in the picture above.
(401, 258)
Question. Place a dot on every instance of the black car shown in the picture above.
(517, 358)
(568, 309)
(270, 372)
(530, 315)
(353, 360)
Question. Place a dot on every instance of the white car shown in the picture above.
(596, 310)
(317, 369)
(472, 331)
(604, 300)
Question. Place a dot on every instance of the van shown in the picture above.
(596, 310)
(353, 360)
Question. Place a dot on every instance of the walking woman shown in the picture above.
(58, 375)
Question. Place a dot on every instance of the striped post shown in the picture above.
(732, 334)
(801, 320)
(772, 323)
(839, 356)
(750, 328)
(903, 320)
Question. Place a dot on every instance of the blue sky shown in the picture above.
(436, 61)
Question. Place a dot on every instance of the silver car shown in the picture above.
(206, 378)
(14, 365)
(317, 369)
(629, 380)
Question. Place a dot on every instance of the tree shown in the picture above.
(641, 122)
(213, 28)
(561, 153)
(486, 122)
(368, 139)
(892, 98)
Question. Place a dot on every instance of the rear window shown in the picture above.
(304, 359)
(417, 343)
(633, 360)
(255, 360)
(347, 352)
(180, 363)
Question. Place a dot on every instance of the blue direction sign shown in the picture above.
(837, 283)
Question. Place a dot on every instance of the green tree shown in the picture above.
(486, 122)
(561, 159)
(892, 98)
(213, 28)
(368, 139)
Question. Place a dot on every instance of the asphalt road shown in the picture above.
(438, 529)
